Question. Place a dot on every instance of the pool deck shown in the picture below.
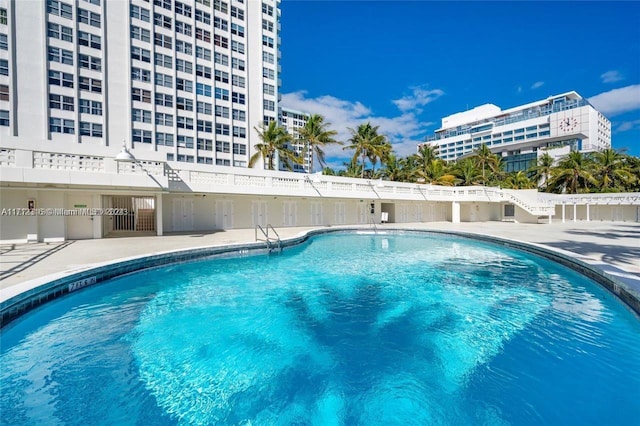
(613, 247)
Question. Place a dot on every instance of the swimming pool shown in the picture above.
(344, 329)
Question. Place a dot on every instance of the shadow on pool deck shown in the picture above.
(24, 256)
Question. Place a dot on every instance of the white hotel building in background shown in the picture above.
(556, 125)
(292, 121)
(180, 81)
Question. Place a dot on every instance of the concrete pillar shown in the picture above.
(455, 212)
(563, 209)
(587, 212)
(549, 218)
(159, 215)
(575, 210)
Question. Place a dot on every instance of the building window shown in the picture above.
(239, 132)
(139, 13)
(203, 71)
(267, 25)
(203, 89)
(60, 55)
(4, 118)
(238, 81)
(164, 119)
(183, 9)
(90, 84)
(236, 46)
(140, 74)
(221, 76)
(220, 5)
(164, 139)
(91, 129)
(89, 62)
(185, 141)
(203, 35)
(203, 53)
(58, 31)
(220, 23)
(58, 78)
(184, 47)
(237, 30)
(205, 160)
(186, 85)
(184, 66)
(203, 17)
(183, 28)
(184, 123)
(4, 42)
(58, 125)
(238, 98)
(140, 54)
(205, 126)
(90, 107)
(218, 40)
(237, 64)
(140, 34)
(236, 12)
(141, 115)
(268, 73)
(222, 111)
(90, 18)
(268, 57)
(205, 144)
(222, 146)
(222, 94)
(268, 89)
(267, 10)
(203, 108)
(221, 59)
(162, 21)
(141, 95)
(4, 92)
(222, 129)
(164, 100)
(184, 104)
(53, 6)
(267, 41)
(90, 40)
(164, 80)
(163, 3)
(61, 102)
(239, 115)
(163, 41)
(222, 162)
(239, 149)
(163, 60)
(141, 136)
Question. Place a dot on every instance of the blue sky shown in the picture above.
(405, 65)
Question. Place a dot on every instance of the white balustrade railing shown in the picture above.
(56, 161)
(7, 157)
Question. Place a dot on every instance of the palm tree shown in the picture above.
(573, 173)
(613, 173)
(518, 180)
(315, 135)
(468, 172)
(364, 141)
(542, 170)
(484, 158)
(274, 144)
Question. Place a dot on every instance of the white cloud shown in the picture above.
(617, 101)
(627, 125)
(519, 89)
(420, 97)
(537, 85)
(404, 131)
(611, 76)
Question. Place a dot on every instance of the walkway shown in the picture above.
(613, 247)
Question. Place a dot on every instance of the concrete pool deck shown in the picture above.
(612, 247)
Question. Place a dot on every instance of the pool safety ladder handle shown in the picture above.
(269, 240)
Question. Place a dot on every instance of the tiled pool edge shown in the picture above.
(49, 289)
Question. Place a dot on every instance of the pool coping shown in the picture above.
(22, 298)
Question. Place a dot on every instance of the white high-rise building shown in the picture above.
(292, 121)
(556, 125)
(179, 81)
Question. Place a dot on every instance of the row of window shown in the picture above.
(58, 78)
(64, 56)
(65, 10)
(59, 125)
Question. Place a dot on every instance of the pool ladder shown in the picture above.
(269, 240)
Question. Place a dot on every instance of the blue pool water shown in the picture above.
(345, 329)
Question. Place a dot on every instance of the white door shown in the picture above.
(259, 213)
(79, 227)
(339, 216)
(316, 213)
(419, 217)
(617, 214)
(363, 212)
(289, 213)
(182, 214)
(224, 214)
(402, 213)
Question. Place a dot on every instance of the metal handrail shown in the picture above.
(266, 238)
